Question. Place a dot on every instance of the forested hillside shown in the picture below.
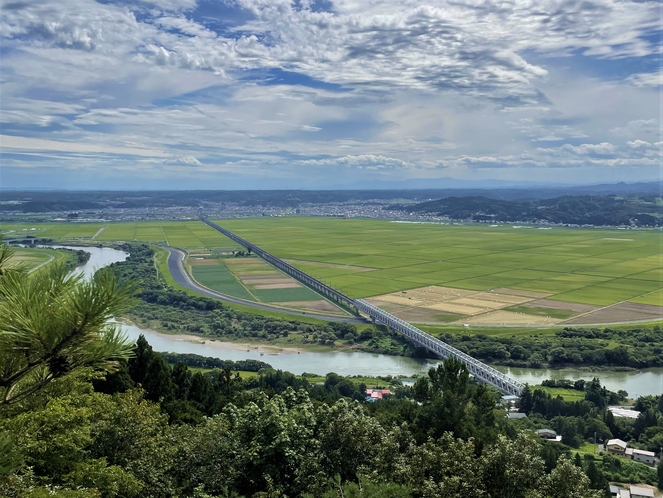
(597, 210)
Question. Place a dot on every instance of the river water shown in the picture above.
(640, 383)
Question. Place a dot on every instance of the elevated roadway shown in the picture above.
(479, 370)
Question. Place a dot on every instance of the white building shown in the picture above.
(616, 446)
(643, 456)
(640, 492)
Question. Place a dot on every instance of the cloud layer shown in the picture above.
(308, 91)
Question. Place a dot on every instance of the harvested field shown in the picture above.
(457, 308)
(438, 293)
(478, 303)
(500, 298)
(621, 312)
(423, 315)
(390, 298)
(501, 317)
(203, 262)
(561, 305)
(285, 285)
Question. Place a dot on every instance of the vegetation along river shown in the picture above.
(640, 383)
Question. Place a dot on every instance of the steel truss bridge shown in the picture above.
(480, 371)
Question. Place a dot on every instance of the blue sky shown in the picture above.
(277, 94)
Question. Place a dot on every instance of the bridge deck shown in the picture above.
(479, 370)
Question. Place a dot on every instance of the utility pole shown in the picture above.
(595, 442)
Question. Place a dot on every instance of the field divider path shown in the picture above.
(164, 235)
(99, 232)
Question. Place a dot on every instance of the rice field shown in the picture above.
(368, 258)
(33, 258)
(365, 258)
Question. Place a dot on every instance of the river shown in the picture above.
(640, 383)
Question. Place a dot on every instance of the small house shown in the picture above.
(549, 435)
(643, 456)
(616, 447)
(375, 394)
(614, 491)
(640, 492)
(516, 415)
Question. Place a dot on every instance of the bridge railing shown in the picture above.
(480, 370)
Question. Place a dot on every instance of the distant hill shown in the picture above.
(53, 200)
(598, 210)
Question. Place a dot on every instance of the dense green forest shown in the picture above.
(597, 210)
(149, 429)
(636, 347)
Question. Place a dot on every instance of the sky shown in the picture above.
(223, 94)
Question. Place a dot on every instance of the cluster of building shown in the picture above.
(376, 394)
(621, 448)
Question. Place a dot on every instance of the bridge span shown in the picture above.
(481, 372)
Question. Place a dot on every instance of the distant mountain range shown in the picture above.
(56, 201)
(597, 210)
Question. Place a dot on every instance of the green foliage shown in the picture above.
(623, 470)
(639, 347)
(52, 323)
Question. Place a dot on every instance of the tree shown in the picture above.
(512, 467)
(526, 402)
(200, 392)
(115, 382)
(141, 358)
(158, 381)
(659, 471)
(566, 481)
(181, 380)
(52, 323)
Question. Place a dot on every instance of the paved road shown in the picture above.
(180, 275)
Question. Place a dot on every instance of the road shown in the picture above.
(176, 268)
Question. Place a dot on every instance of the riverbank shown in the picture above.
(233, 345)
(291, 343)
(636, 383)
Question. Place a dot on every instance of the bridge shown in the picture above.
(480, 371)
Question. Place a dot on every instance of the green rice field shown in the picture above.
(32, 258)
(219, 278)
(365, 258)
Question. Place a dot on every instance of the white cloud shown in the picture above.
(364, 161)
(603, 148)
(425, 86)
(654, 79)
